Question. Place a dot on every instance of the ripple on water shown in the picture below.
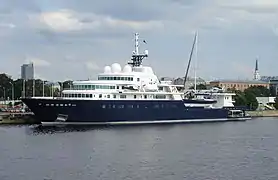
(240, 150)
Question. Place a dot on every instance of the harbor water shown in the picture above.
(207, 151)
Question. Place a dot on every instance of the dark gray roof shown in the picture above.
(239, 81)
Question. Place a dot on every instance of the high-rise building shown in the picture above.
(27, 71)
(256, 72)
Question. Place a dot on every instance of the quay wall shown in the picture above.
(266, 113)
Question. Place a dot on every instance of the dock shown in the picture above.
(12, 118)
(265, 113)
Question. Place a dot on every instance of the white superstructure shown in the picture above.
(134, 81)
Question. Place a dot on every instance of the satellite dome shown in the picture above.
(107, 69)
(116, 68)
(127, 69)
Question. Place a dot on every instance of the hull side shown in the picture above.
(120, 111)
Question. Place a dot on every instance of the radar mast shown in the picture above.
(137, 58)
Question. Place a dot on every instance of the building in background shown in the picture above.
(27, 71)
(189, 81)
(273, 84)
(256, 72)
(240, 85)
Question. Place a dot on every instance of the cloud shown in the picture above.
(68, 33)
(69, 21)
(90, 65)
(38, 62)
(7, 25)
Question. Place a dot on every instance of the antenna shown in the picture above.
(136, 44)
(137, 58)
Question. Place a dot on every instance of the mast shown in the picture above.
(137, 58)
(189, 61)
(136, 44)
(195, 69)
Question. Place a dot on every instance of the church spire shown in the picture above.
(256, 73)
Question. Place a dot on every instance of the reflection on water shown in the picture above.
(231, 150)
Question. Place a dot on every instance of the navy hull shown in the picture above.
(124, 111)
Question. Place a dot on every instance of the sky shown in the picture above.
(75, 39)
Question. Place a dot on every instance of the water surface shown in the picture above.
(231, 150)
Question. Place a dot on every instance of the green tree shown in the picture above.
(252, 102)
(259, 91)
(240, 99)
(7, 84)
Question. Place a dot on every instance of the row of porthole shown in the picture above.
(157, 106)
(59, 105)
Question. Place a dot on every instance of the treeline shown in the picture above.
(247, 98)
(8, 86)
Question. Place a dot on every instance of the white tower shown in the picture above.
(256, 72)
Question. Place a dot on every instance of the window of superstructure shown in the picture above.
(79, 95)
(145, 96)
(108, 96)
(158, 96)
(114, 96)
(134, 96)
(138, 79)
(100, 96)
(123, 96)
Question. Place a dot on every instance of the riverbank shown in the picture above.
(267, 113)
(15, 119)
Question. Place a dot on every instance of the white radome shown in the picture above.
(116, 68)
(107, 69)
(127, 69)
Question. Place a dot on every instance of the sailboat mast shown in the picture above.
(195, 69)
(189, 61)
